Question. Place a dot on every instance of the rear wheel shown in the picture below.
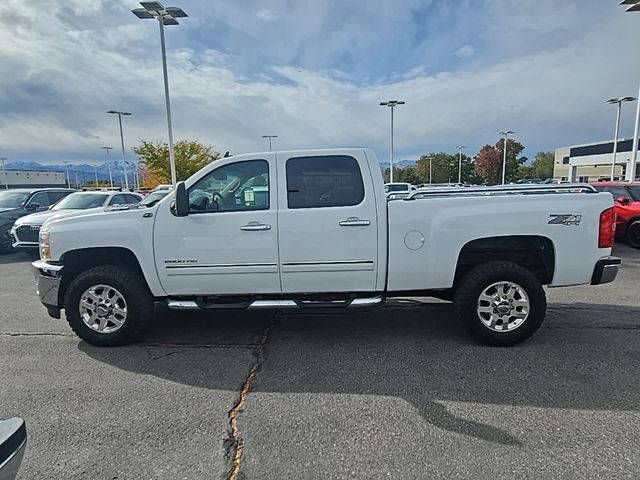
(633, 234)
(6, 242)
(108, 305)
(500, 303)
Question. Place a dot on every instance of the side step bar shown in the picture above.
(257, 304)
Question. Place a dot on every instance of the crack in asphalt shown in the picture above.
(234, 443)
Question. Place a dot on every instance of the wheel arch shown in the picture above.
(79, 260)
(534, 252)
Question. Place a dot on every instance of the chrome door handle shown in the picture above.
(354, 222)
(255, 226)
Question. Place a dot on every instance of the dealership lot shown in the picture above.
(399, 392)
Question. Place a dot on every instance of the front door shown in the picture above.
(228, 242)
(328, 226)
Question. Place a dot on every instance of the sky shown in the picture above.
(314, 73)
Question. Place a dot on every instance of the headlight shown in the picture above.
(45, 249)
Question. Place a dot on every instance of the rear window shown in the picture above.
(331, 181)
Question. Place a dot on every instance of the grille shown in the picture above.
(28, 233)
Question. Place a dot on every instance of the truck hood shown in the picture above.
(41, 217)
(93, 215)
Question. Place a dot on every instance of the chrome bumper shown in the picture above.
(48, 280)
(606, 270)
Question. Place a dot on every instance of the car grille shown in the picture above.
(28, 233)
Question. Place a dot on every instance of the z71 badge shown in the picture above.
(565, 219)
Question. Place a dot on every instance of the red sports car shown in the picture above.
(627, 198)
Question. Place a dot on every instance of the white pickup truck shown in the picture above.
(313, 229)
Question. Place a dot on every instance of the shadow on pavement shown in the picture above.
(418, 353)
(18, 257)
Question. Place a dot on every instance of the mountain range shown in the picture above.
(86, 172)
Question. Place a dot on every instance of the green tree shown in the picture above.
(444, 168)
(191, 156)
(541, 167)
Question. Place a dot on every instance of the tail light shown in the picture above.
(607, 230)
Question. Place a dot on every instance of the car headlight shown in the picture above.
(45, 249)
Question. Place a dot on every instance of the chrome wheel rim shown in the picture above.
(503, 306)
(103, 308)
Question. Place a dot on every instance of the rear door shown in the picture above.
(327, 223)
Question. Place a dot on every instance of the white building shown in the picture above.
(592, 161)
(31, 178)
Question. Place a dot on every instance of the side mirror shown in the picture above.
(32, 207)
(622, 200)
(181, 200)
(13, 440)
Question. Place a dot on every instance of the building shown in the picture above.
(31, 178)
(592, 161)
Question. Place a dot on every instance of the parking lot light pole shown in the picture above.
(617, 101)
(109, 164)
(66, 168)
(124, 160)
(460, 147)
(504, 154)
(635, 146)
(430, 170)
(269, 137)
(165, 16)
(391, 104)
(95, 170)
(4, 174)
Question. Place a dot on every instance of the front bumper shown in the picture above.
(48, 278)
(606, 270)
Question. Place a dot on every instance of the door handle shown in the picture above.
(255, 226)
(354, 222)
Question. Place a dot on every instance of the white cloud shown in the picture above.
(266, 15)
(64, 78)
(465, 51)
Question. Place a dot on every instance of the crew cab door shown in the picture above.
(327, 224)
(228, 242)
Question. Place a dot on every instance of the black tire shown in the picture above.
(5, 241)
(480, 278)
(130, 285)
(633, 234)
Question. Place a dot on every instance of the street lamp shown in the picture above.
(430, 170)
(460, 147)
(391, 104)
(504, 154)
(95, 169)
(617, 101)
(109, 164)
(165, 16)
(66, 168)
(269, 137)
(4, 174)
(124, 161)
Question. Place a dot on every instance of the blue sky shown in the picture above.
(313, 73)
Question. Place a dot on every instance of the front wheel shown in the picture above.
(6, 243)
(108, 305)
(501, 303)
(633, 234)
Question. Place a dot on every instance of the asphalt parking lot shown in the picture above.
(398, 392)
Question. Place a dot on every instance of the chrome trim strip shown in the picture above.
(359, 302)
(344, 262)
(273, 304)
(182, 305)
(218, 265)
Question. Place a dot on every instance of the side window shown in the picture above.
(55, 197)
(331, 181)
(131, 199)
(118, 199)
(617, 191)
(240, 186)
(41, 198)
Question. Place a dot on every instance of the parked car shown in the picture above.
(24, 233)
(321, 233)
(398, 187)
(18, 202)
(13, 442)
(154, 197)
(627, 198)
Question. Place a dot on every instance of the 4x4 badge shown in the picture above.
(565, 219)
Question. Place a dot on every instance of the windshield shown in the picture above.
(153, 198)
(635, 193)
(81, 201)
(12, 199)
